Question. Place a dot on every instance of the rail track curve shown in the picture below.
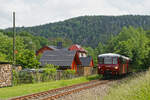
(60, 92)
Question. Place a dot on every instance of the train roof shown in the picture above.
(113, 55)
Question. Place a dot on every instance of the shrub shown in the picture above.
(27, 59)
(68, 73)
(20, 77)
(49, 72)
(26, 77)
(15, 77)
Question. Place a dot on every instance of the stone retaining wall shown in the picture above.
(5, 75)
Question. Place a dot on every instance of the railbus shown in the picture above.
(113, 64)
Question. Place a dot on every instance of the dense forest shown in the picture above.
(88, 30)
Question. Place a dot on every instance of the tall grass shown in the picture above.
(137, 88)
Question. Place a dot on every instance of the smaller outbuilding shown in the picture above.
(86, 66)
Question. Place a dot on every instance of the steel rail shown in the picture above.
(74, 91)
(34, 95)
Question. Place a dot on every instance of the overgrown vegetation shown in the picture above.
(136, 89)
(131, 42)
(48, 73)
(25, 53)
(69, 73)
(26, 47)
(25, 89)
(27, 59)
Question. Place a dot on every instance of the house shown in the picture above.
(81, 51)
(63, 58)
(74, 57)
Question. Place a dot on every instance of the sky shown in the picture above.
(38, 12)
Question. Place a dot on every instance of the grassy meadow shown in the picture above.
(132, 88)
(25, 89)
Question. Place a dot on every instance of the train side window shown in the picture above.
(122, 61)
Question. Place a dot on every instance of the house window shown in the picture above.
(84, 55)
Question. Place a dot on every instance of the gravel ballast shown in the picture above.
(96, 93)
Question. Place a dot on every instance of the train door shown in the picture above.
(123, 66)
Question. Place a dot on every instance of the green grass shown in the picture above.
(25, 89)
(137, 88)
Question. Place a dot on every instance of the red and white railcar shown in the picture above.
(113, 64)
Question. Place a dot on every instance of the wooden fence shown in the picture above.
(31, 76)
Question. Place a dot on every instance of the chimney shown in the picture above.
(59, 45)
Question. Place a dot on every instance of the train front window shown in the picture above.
(107, 60)
(101, 60)
(115, 60)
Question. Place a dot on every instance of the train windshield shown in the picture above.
(108, 60)
(101, 60)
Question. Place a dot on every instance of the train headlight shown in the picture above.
(116, 67)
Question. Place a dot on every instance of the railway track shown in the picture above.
(59, 92)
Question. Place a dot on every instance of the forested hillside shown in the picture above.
(88, 30)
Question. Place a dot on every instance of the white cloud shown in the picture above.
(35, 12)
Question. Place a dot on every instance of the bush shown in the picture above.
(26, 77)
(27, 59)
(67, 74)
(20, 77)
(15, 77)
(49, 72)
